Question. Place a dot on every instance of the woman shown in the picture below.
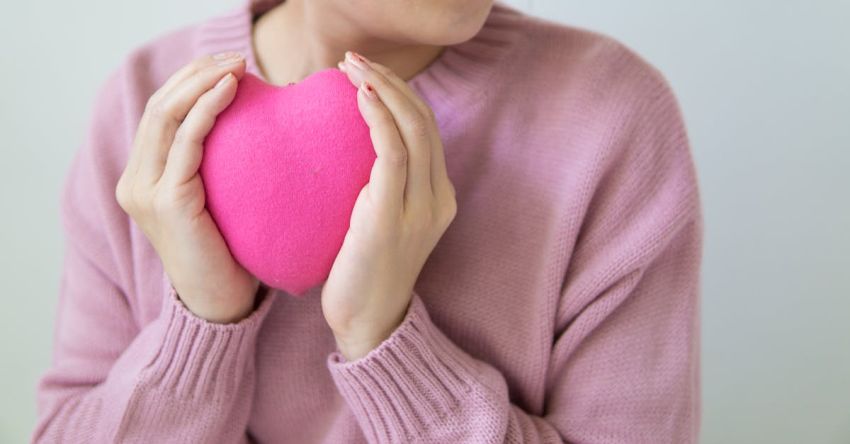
(523, 265)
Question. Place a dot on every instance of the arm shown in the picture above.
(178, 378)
(624, 357)
(625, 370)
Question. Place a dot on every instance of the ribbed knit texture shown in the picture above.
(561, 305)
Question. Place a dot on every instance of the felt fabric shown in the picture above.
(282, 168)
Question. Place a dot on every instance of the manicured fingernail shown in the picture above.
(368, 90)
(224, 80)
(227, 58)
(356, 60)
(358, 56)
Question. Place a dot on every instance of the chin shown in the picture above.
(431, 22)
(458, 23)
(451, 36)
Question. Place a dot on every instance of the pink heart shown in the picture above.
(282, 168)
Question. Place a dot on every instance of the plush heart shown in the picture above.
(282, 168)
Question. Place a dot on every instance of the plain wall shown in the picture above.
(764, 89)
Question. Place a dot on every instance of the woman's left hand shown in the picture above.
(398, 216)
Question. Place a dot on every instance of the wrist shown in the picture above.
(356, 349)
(355, 345)
(218, 314)
(223, 312)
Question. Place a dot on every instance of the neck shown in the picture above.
(298, 37)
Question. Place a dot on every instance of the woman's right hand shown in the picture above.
(161, 190)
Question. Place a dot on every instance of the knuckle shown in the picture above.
(159, 111)
(383, 120)
(418, 126)
(122, 196)
(397, 158)
(153, 101)
(450, 211)
(157, 105)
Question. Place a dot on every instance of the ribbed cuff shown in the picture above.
(408, 384)
(185, 379)
(202, 358)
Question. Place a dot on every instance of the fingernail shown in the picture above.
(368, 90)
(356, 60)
(358, 56)
(227, 77)
(341, 66)
(226, 58)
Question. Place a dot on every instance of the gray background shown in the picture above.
(764, 88)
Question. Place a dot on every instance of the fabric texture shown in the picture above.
(561, 305)
(282, 168)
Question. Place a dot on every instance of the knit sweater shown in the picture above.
(561, 305)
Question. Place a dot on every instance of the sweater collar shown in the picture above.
(458, 76)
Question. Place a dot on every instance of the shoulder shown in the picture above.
(592, 97)
(578, 76)
(557, 64)
(573, 60)
(605, 101)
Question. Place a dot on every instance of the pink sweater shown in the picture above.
(562, 304)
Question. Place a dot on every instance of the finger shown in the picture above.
(414, 128)
(399, 83)
(179, 76)
(439, 175)
(195, 66)
(389, 173)
(440, 183)
(165, 115)
(184, 157)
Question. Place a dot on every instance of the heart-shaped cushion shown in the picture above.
(282, 168)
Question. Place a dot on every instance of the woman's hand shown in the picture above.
(398, 216)
(162, 191)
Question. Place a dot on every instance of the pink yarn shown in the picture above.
(282, 169)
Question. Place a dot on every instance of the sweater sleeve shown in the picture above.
(174, 378)
(624, 362)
